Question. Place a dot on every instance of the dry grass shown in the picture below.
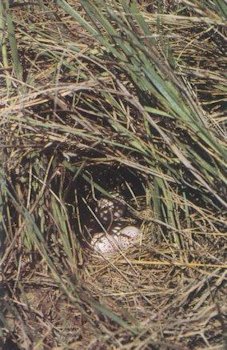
(90, 91)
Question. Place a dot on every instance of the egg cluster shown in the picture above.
(106, 196)
(115, 234)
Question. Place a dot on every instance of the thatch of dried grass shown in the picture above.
(86, 84)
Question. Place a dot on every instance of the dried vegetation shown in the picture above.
(137, 88)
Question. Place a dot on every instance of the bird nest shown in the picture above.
(102, 200)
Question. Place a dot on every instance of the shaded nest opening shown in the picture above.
(102, 198)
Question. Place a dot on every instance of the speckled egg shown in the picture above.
(108, 210)
(107, 244)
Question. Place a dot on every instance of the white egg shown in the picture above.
(108, 244)
(130, 231)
